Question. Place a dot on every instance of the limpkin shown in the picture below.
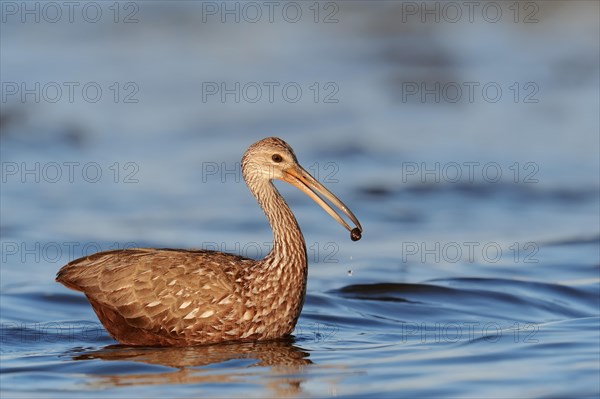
(177, 297)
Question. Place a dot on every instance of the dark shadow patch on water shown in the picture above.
(9, 230)
(593, 239)
(376, 191)
(376, 290)
(385, 299)
(43, 138)
(556, 292)
(483, 190)
(507, 298)
(10, 115)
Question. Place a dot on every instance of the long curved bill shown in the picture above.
(301, 179)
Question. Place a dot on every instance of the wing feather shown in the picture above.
(172, 293)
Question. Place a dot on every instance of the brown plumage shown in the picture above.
(168, 297)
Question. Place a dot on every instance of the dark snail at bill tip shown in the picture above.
(355, 234)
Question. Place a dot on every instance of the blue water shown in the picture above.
(479, 268)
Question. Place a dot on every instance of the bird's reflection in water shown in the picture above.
(192, 365)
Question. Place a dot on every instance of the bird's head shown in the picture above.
(272, 158)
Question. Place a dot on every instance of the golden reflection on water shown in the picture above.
(192, 365)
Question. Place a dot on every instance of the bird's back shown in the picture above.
(162, 296)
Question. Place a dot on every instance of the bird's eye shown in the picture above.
(277, 158)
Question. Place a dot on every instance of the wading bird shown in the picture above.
(176, 297)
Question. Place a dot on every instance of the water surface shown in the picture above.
(478, 285)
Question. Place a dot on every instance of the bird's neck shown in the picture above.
(289, 249)
(277, 283)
